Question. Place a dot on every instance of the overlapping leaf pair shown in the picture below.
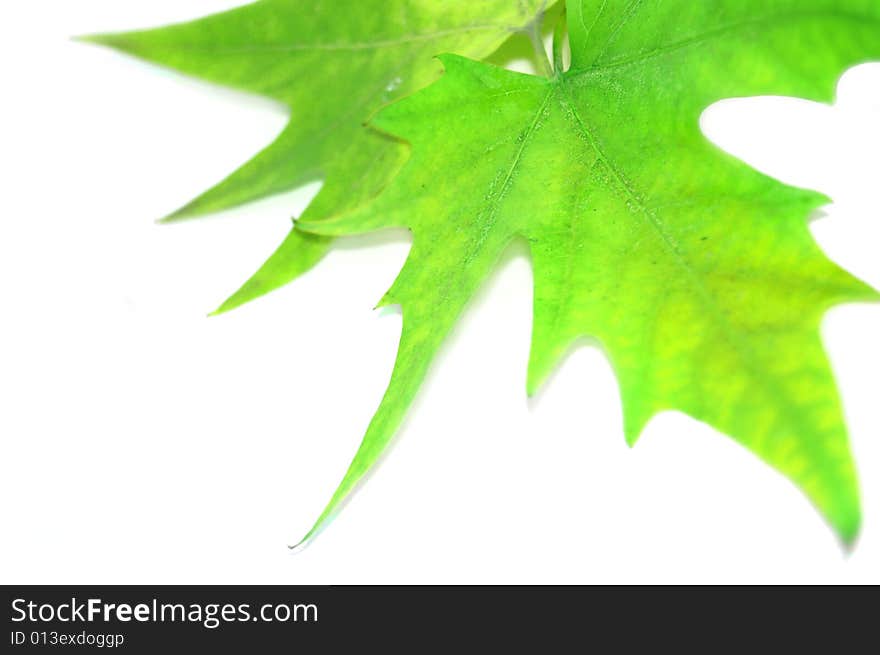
(696, 273)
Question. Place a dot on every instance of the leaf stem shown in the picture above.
(542, 61)
(560, 31)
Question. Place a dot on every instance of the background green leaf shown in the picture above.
(332, 64)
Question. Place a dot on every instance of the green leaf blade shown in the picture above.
(697, 274)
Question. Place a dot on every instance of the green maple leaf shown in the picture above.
(333, 66)
(697, 274)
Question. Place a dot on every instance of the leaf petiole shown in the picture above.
(542, 61)
(560, 32)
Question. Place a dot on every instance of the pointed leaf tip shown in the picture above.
(116, 40)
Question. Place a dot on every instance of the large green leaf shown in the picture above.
(333, 64)
(697, 274)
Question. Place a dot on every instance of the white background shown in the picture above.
(143, 442)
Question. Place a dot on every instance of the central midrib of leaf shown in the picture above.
(344, 47)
